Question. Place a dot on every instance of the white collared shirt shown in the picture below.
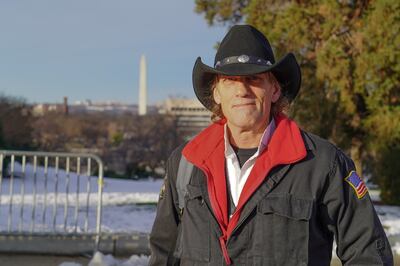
(237, 176)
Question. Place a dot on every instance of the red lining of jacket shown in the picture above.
(207, 152)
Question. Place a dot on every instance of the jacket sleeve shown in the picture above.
(165, 228)
(358, 232)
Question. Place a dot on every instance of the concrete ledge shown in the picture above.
(72, 245)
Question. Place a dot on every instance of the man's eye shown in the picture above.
(254, 78)
(226, 80)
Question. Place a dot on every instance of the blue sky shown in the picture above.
(90, 49)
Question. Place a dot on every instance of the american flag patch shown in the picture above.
(357, 184)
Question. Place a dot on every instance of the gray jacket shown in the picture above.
(291, 219)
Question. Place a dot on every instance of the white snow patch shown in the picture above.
(374, 194)
(390, 218)
(70, 264)
(396, 249)
(100, 259)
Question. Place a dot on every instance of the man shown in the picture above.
(262, 191)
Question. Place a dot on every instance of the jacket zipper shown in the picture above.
(237, 226)
(208, 206)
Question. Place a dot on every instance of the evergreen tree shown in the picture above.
(349, 55)
(378, 80)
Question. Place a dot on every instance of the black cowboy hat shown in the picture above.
(246, 51)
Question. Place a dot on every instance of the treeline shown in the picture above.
(130, 146)
(349, 52)
(16, 124)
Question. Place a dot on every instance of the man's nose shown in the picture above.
(241, 89)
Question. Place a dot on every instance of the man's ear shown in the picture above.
(216, 95)
(276, 94)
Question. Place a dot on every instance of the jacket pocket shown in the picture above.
(195, 225)
(288, 206)
(282, 223)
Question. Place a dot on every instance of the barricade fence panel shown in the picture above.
(54, 193)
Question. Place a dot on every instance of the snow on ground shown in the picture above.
(127, 205)
(100, 259)
(396, 249)
(109, 198)
(390, 218)
(70, 264)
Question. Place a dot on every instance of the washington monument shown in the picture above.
(142, 86)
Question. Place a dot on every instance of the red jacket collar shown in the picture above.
(286, 142)
(206, 151)
(205, 143)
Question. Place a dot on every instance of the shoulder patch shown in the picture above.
(357, 184)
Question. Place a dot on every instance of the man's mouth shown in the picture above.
(243, 104)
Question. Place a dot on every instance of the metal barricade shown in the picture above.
(50, 193)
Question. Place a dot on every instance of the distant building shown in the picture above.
(89, 107)
(191, 115)
(43, 108)
(109, 107)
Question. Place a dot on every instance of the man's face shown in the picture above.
(246, 100)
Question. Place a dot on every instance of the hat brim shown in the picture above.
(286, 71)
